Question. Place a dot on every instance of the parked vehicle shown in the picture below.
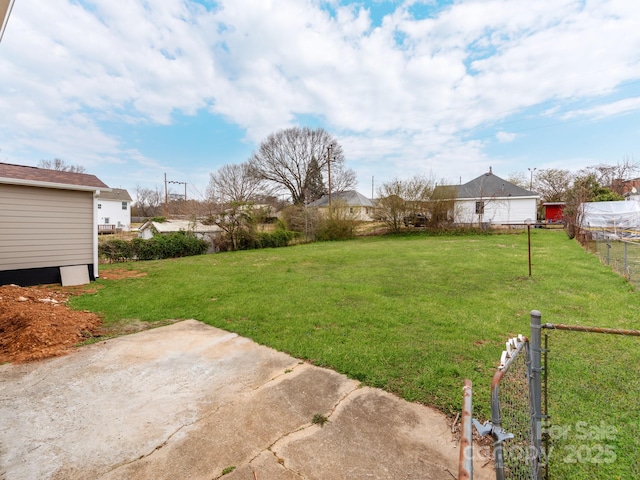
(415, 220)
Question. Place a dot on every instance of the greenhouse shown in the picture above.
(611, 219)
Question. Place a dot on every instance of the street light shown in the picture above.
(531, 181)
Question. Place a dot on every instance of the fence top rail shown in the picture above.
(581, 328)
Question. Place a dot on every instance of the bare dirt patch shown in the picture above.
(121, 273)
(37, 323)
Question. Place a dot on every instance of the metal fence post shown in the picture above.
(465, 463)
(536, 392)
(625, 259)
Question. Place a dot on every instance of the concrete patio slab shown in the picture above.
(190, 401)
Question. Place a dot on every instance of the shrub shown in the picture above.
(278, 238)
(179, 244)
(115, 250)
(335, 228)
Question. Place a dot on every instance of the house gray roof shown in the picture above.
(118, 194)
(23, 175)
(350, 198)
(490, 186)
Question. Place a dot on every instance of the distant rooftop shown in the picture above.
(350, 198)
(115, 194)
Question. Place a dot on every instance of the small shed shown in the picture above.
(201, 231)
(48, 224)
(553, 212)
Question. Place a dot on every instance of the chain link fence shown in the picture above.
(602, 426)
(593, 425)
(516, 448)
(622, 254)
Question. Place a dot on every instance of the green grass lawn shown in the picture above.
(415, 315)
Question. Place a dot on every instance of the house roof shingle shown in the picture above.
(119, 194)
(24, 175)
(489, 185)
(350, 198)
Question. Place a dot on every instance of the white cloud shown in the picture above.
(69, 67)
(505, 137)
(606, 109)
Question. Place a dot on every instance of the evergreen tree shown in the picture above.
(314, 184)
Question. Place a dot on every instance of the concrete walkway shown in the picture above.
(189, 401)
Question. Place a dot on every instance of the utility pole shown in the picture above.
(329, 169)
(166, 194)
(166, 197)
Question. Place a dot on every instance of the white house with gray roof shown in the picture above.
(359, 207)
(491, 200)
(114, 210)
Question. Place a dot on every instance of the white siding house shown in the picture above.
(356, 205)
(114, 210)
(47, 221)
(491, 200)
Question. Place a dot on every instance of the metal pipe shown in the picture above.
(496, 421)
(465, 462)
(580, 328)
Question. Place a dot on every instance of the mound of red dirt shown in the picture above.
(36, 323)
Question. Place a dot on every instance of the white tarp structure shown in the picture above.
(618, 218)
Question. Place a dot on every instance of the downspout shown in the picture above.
(95, 233)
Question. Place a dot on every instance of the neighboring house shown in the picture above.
(358, 206)
(204, 232)
(491, 200)
(114, 211)
(47, 222)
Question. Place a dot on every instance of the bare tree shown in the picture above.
(290, 159)
(401, 199)
(520, 179)
(61, 166)
(235, 183)
(148, 202)
(553, 184)
(613, 176)
(441, 207)
(237, 221)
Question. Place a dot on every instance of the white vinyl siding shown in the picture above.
(44, 227)
(112, 213)
(499, 211)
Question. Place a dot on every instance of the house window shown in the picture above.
(99, 206)
(124, 205)
(480, 207)
(106, 219)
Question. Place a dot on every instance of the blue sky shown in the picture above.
(133, 90)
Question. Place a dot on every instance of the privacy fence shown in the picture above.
(524, 435)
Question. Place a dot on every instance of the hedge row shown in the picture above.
(246, 240)
(174, 245)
